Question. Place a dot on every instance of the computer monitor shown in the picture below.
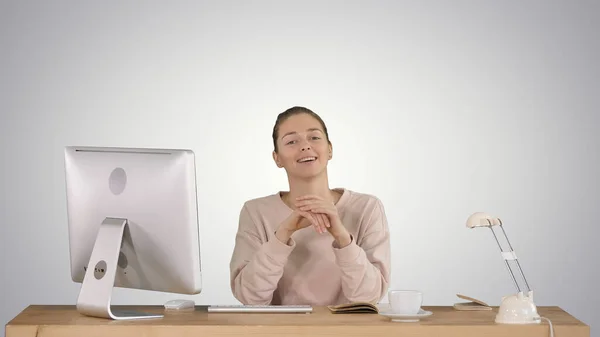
(133, 223)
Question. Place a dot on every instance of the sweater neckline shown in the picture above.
(340, 204)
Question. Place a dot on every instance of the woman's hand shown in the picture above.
(297, 220)
(327, 214)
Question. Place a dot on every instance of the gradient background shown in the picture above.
(441, 109)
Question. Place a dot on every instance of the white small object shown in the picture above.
(509, 256)
(179, 304)
(405, 318)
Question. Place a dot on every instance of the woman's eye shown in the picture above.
(290, 142)
(316, 137)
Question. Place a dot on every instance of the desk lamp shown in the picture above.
(518, 308)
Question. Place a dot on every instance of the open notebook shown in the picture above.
(354, 308)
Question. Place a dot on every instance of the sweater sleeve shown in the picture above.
(256, 265)
(366, 266)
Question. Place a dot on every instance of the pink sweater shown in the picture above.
(311, 270)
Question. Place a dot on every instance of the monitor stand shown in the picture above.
(97, 286)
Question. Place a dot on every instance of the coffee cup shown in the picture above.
(405, 302)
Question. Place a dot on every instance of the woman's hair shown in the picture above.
(291, 112)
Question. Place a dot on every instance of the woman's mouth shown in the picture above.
(306, 159)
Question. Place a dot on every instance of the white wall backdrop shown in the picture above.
(439, 108)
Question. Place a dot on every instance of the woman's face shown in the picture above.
(303, 149)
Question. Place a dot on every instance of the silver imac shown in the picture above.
(133, 223)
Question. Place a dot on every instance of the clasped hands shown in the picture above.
(313, 210)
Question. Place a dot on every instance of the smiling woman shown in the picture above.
(278, 259)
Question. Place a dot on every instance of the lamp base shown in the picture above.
(518, 309)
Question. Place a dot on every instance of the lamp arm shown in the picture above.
(508, 256)
(515, 257)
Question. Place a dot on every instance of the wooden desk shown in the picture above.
(65, 321)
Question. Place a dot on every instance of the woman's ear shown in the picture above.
(276, 159)
(330, 151)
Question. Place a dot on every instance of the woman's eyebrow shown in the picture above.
(294, 132)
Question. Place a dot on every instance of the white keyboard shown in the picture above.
(261, 308)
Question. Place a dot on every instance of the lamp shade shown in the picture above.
(482, 219)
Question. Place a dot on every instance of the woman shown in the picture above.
(279, 259)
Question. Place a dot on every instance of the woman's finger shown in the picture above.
(313, 220)
(308, 216)
(315, 206)
(307, 208)
(322, 223)
(322, 210)
(327, 222)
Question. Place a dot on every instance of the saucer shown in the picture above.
(405, 318)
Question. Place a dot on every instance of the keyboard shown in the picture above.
(261, 308)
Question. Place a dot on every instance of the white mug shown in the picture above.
(405, 302)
